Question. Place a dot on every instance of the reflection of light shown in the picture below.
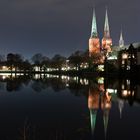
(128, 82)
(112, 58)
(101, 87)
(37, 76)
(62, 77)
(107, 105)
(101, 80)
(128, 67)
(123, 62)
(67, 85)
(101, 67)
(129, 92)
(133, 93)
(84, 81)
(122, 86)
(124, 93)
(74, 78)
(112, 91)
(3, 77)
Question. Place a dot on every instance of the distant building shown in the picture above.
(129, 58)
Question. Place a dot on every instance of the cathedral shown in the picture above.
(95, 45)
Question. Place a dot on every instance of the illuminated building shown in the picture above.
(121, 41)
(106, 41)
(129, 59)
(94, 41)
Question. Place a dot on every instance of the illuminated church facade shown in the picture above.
(95, 44)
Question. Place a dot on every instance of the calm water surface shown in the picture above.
(68, 108)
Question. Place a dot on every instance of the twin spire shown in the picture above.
(94, 32)
(94, 44)
(94, 41)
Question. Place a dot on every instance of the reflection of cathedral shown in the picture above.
(99, 97)
(102, 95)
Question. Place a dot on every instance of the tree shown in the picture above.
(76, 59)
(46, 63)
(37, 58)
(2, 58)
(14, 60)
(58, 61)
(26, 66)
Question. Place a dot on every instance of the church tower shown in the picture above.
(121, 41)
(106, 41)
(94, 41)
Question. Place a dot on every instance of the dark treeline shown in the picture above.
(76, 61)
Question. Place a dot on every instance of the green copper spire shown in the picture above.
(94, 26)
(106, 26)
(121, 41)
(93, 114)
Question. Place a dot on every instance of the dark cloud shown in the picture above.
(62, 26)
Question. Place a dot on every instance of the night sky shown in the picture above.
(62, 26)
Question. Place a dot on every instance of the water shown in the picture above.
(47, 107)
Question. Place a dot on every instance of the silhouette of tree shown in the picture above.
(37, 58)
(46, 63)
(14, 60)
(2, 58)
(25, 66)
(76, 59)
(58, 61)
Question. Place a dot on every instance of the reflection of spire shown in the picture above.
(106, 26)
(106, 106)
(94, 26)
(93, 105)
(120, 105)
(106, 118)
(93, 114)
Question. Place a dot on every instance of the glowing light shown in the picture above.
(101, 67)
(3, 77)
(112, 91)
(124, 93)
(112, 58)
(125, 56)
(101, 80)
